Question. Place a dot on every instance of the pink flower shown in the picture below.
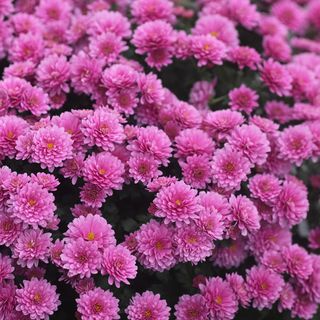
(9, 230)
(277, 48)
(92, 228)
(237, 284)
(51, 146)
(7, 299)
(31, 247)
(72, 168)
(53, 73)
(295, 144)
(45, 180)
(287, 298)
(276, 77)
(220, 299)
(265, 187)
(35, 100)
(218, 27)
(201, 93)
(119, 264)
(97, 304)
(104, 170)
(292, 204)
(177, 203)
(229, 168)
(196, 171)
(274, 260)
(143, 167)
(103, 128)
(147, 306)
(192, 245)
(191, 308)
(53, 11)
(264, 287)
(207, 50)
(82, 210)
(81, 258)
(32, 205)
(37, 299)
(245, 57)
(154, 142)
(299, 263)
(278, 111)
(155, 246)
(154, 38)
(150, 10)
(244, 215)
(243, 99)
(6, 268)
(191, 142)
(314, 238)
(252, 142)
(92, 195)
(303, 307)
(150, 88)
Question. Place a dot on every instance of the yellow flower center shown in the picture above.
(102, 171)
(90, 236)
(148, 313)
(50, 145)
(218, 299)
(37, 297)
(32, 202)
(214, 33)
(178, 202)
(97, 308)
(10, 135)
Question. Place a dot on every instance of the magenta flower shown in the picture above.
(314, 238)
(97, 304)
(92, 195)
(9, 230)
(245, 57)
(191, 308)
(220, 299)
(147, 306)
(6, 268)
(243, 99)
(92, 228)
(81, 258)
(119, 264)
(287, 298)
(237, 284)
(177, 203)
(37, 299)
(264, 286)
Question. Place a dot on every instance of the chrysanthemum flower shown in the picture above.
(72, 168)
(92, 228)
(51, 146)
(37, 299)
(287, 298)
(220, 299)
(243, 99)
(245, 57)
(9, 230)
(264, 286)
(155, 246)
(8, 299)
(277, 48)
(81, 258)
(274, 260)
(6, 268)
(119, 264)
(92, 195)
(191, 308)
(147, 306)
(98, 304)
(104, 170)
(237, 284)
(229, 168)
(31, 247)
(314, 238)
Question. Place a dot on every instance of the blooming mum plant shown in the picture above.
(159, 159)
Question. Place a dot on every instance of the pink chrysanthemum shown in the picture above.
(299, 263)
(292, 204)
(72, 168)
(177, 203)
(276, 77)
(192, 244)
(274, 260)
(304, 307)
(196, 171)
(191, 142)
(143, 167)
(219, 124)
(237, 284)
(295, 144)
(276, 48)
(156, 184)
(81, 258)
(98, 304)
(245, 57)
(32, 205)
(287, 298)
(220, 299)
(208, 50)
(35, 100)
(201, 93)
(92, 228)
(229, 168)
(252, 142)
(51, 146)
(82, 210)
(265, 187)
(6, 268)
(37, 299)
(9, 230)
(150, 10)
(7, 300)
(45, 180)
(191, 308)
(270, 25)
(264, 287)
(92, 195)
(55, 252)
(119, 264)
(31, 247)
(229, 254)
(278, 111)
(244, 215)
(53, 73)
(243, 99)
(147, 306)
(154, 142)
(104, 170)
(155, 246)
(314, 238)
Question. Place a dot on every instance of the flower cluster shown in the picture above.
(149, 143)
